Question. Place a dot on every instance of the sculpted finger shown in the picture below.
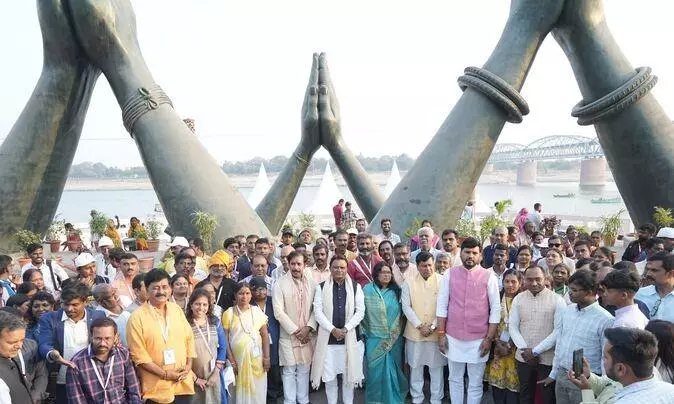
(311, 95)
(327, 81)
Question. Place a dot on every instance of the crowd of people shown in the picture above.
(260, 320)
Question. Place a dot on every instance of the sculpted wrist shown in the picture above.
(143, 101)
(497, 90)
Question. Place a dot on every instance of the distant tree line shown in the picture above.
(88, 170)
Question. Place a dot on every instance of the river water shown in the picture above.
(75, 205)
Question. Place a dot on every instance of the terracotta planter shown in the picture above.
(55, 246)
(153, 245)
(145, 264)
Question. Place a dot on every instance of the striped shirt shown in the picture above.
(647, 391)
(581, 328)
(83, 385)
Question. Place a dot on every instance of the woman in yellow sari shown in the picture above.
(137, 231)
(111, 232)
(248, 347)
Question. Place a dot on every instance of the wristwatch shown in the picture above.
(433, 327)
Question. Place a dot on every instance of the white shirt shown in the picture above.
(499, 277)
(103, 269)
(393, 238)
(630, 317)
(5, 398)
(650, 296)
(649, 391)
(75, 339)
(582, 328)
(641, 267)
(120, 320)
(59, 273)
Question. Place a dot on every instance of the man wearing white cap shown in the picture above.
(174, 246)
(85, 264)
(104, 266)
(667, 235)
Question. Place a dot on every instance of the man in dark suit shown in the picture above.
(65, 332)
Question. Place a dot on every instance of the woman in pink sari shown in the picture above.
(521, 219)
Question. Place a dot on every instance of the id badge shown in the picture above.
(256, 352)
(169, 357)
(505, 336)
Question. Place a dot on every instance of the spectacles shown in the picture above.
(656, 307)
(554, 245)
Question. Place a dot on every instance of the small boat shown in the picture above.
(569, 195)
(158, 208)
(607, 200)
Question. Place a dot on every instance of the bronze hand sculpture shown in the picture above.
(36, 156)
(635, 132)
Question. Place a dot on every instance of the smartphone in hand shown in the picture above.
(578, 362)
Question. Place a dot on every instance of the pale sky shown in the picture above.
(240, 68)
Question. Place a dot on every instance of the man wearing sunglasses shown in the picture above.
(659, 296)
(555, 243)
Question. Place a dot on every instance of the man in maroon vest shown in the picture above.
(467, 321)
(360, 269)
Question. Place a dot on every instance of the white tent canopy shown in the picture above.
(260, 189)
(327, 195)
(393, 180)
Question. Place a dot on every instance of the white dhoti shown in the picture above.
(335, 364)
(462, 355)
(420, 354)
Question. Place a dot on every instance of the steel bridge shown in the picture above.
(548, 148)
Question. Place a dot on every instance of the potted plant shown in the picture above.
(205, 223)
(24, 238)
(663, 217)
(610, 225)
(153, 229)
(98, 224)
(55, 231)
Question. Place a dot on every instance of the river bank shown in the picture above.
(248, 181)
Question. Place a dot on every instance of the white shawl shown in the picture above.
(354, 364)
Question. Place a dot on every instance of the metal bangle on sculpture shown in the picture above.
(491, 88)
(137, 105)
(616, 101)
(500, 85)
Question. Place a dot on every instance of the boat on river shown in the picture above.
(606, 200)
(569, 195)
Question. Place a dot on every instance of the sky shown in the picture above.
(240, 69)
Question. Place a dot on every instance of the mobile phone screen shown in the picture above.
(578, 362)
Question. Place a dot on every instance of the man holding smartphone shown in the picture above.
(581, 327)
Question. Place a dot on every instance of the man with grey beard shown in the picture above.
(402, 269)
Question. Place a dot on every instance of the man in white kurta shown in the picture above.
(419, 299)
(339, 307)
(468, 312)
(292, 300)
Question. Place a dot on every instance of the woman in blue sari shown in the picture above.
(382, 327)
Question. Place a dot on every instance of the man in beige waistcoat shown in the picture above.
(419, 299)
(533, 319)
(292, 299)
